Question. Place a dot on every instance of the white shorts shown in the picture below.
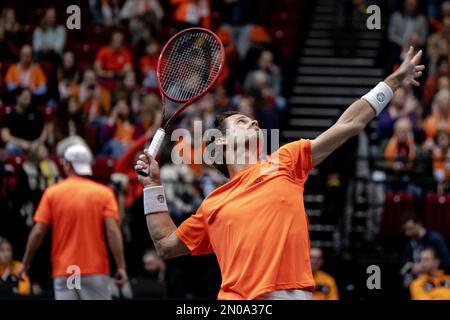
(93, 287)
(294, 294)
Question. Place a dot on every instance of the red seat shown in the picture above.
(436, 215)
(109, 84)
(396, 206)
(103, 167)
(84, 53)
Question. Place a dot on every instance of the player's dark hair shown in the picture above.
(220, 124)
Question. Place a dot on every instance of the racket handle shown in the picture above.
(156, 142)
(154, 147)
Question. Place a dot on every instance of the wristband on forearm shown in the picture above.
(154, 200)
(379, 97)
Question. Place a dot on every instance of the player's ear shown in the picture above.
(221, 141)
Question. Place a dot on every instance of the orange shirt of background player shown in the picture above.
(257, 226)
(75, 209)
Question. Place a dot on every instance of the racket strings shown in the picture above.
(189, 65)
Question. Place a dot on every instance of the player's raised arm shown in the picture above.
(361, 112)
(160, 224)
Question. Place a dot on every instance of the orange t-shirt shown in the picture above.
(257, 226)
(32, 77)
(113, 61)
(76, 208)
(433, 123)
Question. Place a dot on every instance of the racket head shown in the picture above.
(189, 65)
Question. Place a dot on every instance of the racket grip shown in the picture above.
(156, 142)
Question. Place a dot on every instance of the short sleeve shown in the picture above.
(43, 213)
(111, 208)
(194, 233)
(297, 157)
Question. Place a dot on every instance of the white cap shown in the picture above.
(81, 158)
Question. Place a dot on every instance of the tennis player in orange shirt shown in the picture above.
(256, 223)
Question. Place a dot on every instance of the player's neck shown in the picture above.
(233, 169)
(241, 161)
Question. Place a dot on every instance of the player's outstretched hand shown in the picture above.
(150, 166)
(411, 69)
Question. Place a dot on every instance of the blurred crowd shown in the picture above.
(414, 130)
(97, 86)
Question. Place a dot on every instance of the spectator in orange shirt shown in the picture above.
(441, 156)
(10, 283)
(440, 117)
(68, 77)
(326, 288)
(95, 100)
(191, 13)
(114, 60)
(119, 131)
(82, 225)
(431, 84)
(432, 283)
(26, 74)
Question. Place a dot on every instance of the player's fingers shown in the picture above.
(143, 157)
(418, 74)
(417, 57)
(410, 53)
(420, 68)
(141, 163)
(415, 83)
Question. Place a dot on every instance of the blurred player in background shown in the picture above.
(79, 210)
(326, 288)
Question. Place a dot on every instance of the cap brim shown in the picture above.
(82, 169)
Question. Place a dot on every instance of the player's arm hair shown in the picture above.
(163, 233)
(115, 241)
(351, 123)
(35, 239)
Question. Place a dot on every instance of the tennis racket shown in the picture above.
(188, 67)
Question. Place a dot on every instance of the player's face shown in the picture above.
(5, 253)
(243, 128)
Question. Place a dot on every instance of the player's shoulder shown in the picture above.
(98, 187)
(81, 183)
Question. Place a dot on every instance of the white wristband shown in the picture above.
(154, 200)
(379, 97)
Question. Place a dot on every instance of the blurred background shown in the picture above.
(294, 65)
